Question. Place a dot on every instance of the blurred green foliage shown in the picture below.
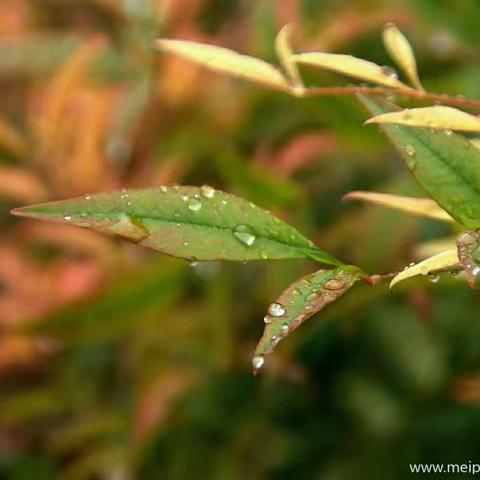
(120, 363)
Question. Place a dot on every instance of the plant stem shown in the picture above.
(417, 94)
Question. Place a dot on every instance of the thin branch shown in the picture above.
(417, 94)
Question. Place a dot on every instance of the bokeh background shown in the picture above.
(119, 363)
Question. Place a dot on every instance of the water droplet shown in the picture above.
(124, 193)
(184, 197)
(267, 319)
(258, 362)
(264, 255)
(194, 204)
(276, 310)
(245, 234)
(410, 150)
(67, 217)
(207, 191)
(163, 189)
(185, 244)
(193, 262)
(285, 327)
(389, 72)
(334, 284)
(88, 197)
(434, 278)
(448, 133)
(312, 297)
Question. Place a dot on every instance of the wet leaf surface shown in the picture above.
(299, 302)
(185, 222)
(445, 164)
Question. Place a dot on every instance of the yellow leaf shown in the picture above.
(424, 207)
(441, 261)
(227, 61)
(401, 52)
(437, 118)
(352, 67)
(285, 55)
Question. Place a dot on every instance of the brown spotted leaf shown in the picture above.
(299, 302)
(185, 222)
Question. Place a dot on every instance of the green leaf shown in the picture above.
(185, 222)
(299, 302)
(445, 164)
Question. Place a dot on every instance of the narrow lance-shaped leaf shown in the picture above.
(423, 207)
(299, 302)
(442, 261)
(352, 67)
(446, 165)
(227, 61)
(285, 55)
(401, 52)
(435, 118)
(185, 222)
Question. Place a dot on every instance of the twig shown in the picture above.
(417, 94)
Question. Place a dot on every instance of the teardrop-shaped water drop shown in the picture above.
(389, 72)
(257, 363)
(276, 310)
(194, 204)
(245, 234)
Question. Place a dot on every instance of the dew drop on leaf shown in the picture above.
(245, 234)
(194, 204)
(389, 72)
(334, 284)
(163, 189)
(410, 150)
(67, 217)
(276, 310)
(257, 363)
(207, 191)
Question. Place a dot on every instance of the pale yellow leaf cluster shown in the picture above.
(437, 118)
(227, 61)
(351, 67)
(424, 207)
(401, 52)
(285, 54)
(441, 261)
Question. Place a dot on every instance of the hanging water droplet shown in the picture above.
(267, 319)
(410, 150)
(88, 197)
(258, 362)
(67, 217)
(163, 189)
(245, 234)
(207, 191)
(276, 310)
(434, 278)
(185, 244)
(334, 284)
(389, 72)
(194, 204)
(285, 327)
(193, 262)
